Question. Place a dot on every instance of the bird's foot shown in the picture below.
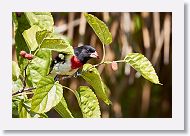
(77, 74)
(56, 78)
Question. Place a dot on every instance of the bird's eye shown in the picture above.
(88, 50)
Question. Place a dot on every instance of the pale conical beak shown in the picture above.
(94, 55)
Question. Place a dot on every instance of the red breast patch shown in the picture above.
(75, 63)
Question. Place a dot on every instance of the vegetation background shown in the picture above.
(132, 96)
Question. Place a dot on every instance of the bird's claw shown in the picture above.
(56, 78)
(77, 74)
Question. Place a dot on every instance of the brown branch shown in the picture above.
(23, 90)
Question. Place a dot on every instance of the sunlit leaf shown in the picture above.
(38, 67)
(47, 95)
(16, 85)
(35, 38)
(88, 102)
(15, 71)
(62, 109)
(57, 43)
(99, 28)
(92, 76)
(41, 36)
(43, 19)
(15, 102)
(30, 37)
(24, 110)
(140, 63)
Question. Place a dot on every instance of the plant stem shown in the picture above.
(36, 51)
(69, 89)
(104, 53)
(108, 62)
(24, 78)
(103, 57)
(120, 61)
(105, 62)
(26, 90)
(22, 93)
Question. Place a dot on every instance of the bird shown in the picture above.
(66, 65)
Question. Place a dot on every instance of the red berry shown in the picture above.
(114, 66)
(23, 53)
(28, 56)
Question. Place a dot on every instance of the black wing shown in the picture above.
(56, 60)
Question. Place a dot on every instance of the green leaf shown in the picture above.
(62, 109)
(92, 76)
(24, 109)
(41, 35)
(30, 37)
(15, 102)
(99, 28)
(42, 19)
(16, 85)
(57, 43)
(47, 95)
(15, 71)
(15, 109)
(48, 40)
(88, 102)
(140, 63)
(23, 23)
(38, 67)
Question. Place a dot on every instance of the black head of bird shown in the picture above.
(84, 53)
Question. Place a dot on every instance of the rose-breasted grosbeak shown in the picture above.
(66, 65)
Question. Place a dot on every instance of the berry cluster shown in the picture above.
(26, 55)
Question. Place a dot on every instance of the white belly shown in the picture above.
(63, 69)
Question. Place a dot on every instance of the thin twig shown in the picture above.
(104, 53)
(27, 90)
(105, 62)
(23, 90)
(69, 89)
(24, 79)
